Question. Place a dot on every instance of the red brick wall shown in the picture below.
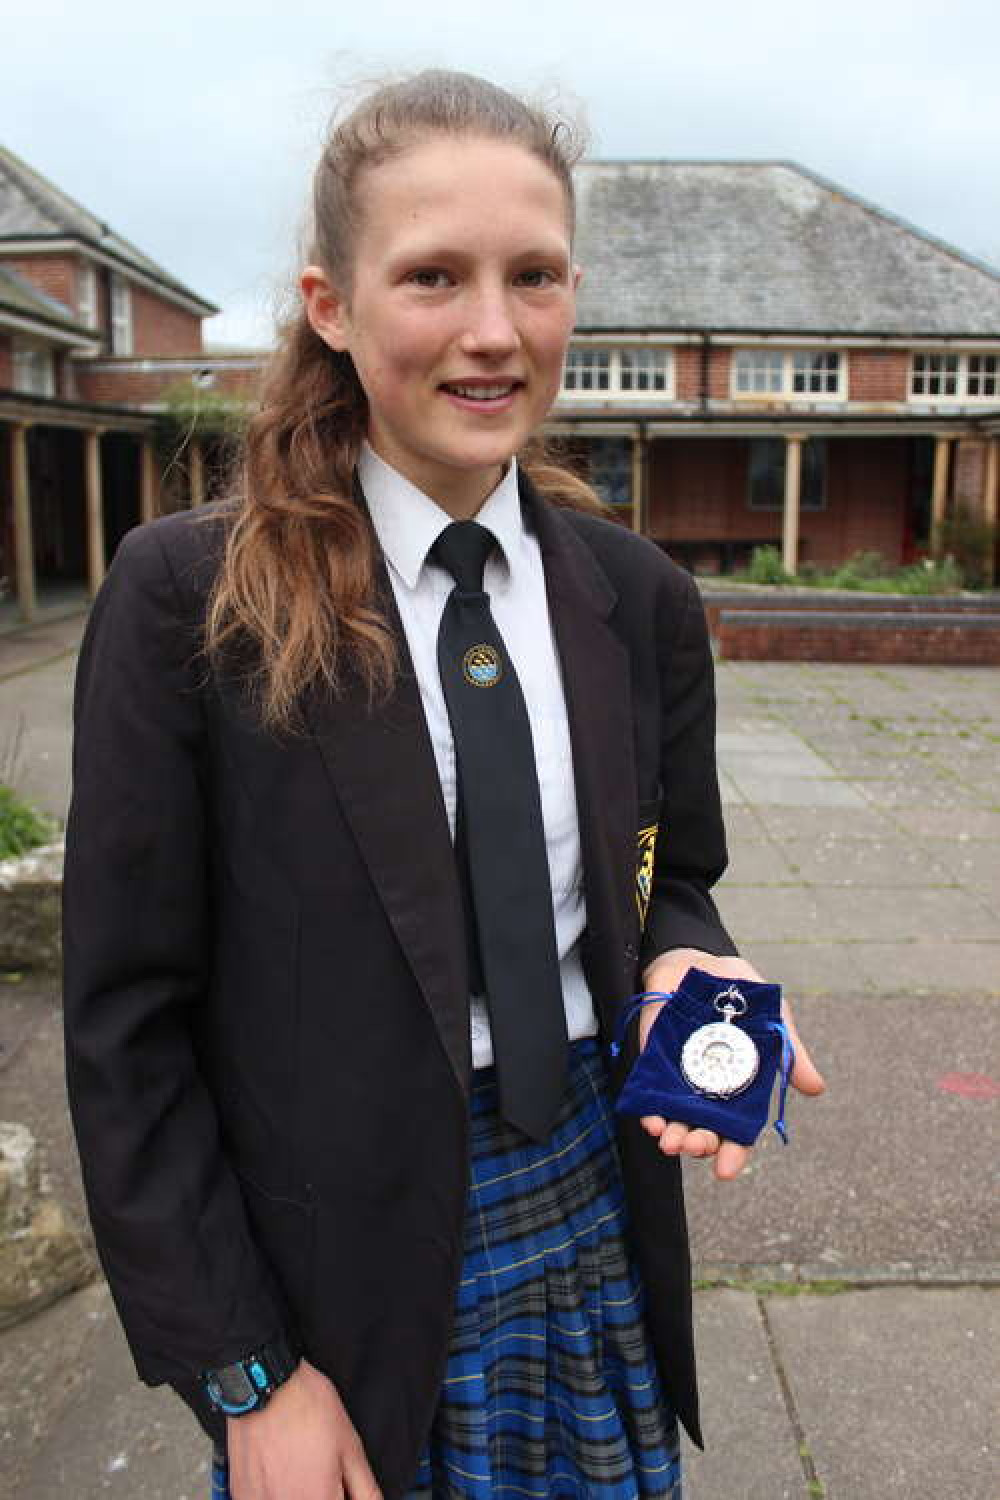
(6, 369)
(745, 639)
(969, 474)
(698, 488)
(690, 372)
(160, 327)
(54, 274)
(139, 388)
(878, 375)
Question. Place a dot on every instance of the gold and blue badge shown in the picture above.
(482, 667)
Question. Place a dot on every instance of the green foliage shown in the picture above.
(864, 570)
(859, 571)
(21, 827)
(192, 411)
(766, 566)
(970, 540)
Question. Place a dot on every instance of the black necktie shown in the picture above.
(500, 842)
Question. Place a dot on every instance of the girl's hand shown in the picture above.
(675, 1139)
(301, 1444)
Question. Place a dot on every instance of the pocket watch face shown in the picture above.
(719, 1060)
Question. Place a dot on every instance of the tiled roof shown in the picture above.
(31, 207)
(17, 295)
(764, 247)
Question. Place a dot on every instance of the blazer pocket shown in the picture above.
(645, 854)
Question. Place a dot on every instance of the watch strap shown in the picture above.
(247, 1384)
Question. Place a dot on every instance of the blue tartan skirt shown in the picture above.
(550, 1389)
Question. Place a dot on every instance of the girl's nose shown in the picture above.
(490, 328)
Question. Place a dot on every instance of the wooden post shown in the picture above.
(793, 500)
(197, 475)
(24, 544)
(147, 480)
(638, 481)
(939, 490)
(991, 505)
(96, 559)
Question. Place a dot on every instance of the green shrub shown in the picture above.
(929, 577)
(860, 571)
(766, 566)
(21, 827)
(970, 540)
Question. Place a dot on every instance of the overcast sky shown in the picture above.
(191, 128)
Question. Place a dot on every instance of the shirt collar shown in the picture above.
(408, 523)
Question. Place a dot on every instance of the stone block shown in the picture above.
(41, 1254)
(30, 909)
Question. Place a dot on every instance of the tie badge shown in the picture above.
(481, 666)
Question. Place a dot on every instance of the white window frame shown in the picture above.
(121, 316)
(86, 301)
(612, 368)
(785, 367)
(33, 368)
(958, 368)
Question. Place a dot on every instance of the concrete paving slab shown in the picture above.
(895, 1389)
(959, 823)
(811, 968)
(750, 1447)
(111, 1435)
(769, 789)
(930, 968)
(808, 822)
(840, 860)
(873, 914)
(35, 714)
(891, 1167)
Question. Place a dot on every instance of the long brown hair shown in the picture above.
(297, 576)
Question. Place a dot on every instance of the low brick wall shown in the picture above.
(843, 602)
(957, 638)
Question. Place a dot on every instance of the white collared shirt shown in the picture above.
(408, 523)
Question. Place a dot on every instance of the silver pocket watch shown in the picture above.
(719, 1059)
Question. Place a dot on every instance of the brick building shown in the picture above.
(92, 335)
(759, 356)
(762, 356)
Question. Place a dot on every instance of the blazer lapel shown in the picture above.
(380, 760)
(595, 665)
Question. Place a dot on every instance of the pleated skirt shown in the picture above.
(550, 1389)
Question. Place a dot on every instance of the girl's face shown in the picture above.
(459, 312)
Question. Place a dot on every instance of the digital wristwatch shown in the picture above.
(248, 1384)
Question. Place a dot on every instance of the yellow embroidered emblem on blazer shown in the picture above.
(646, 855)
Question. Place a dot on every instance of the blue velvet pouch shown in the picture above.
(694, 1076)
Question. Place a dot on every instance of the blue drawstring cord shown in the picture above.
(787, 1063)
(631, 1009)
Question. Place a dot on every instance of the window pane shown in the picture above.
(758, 370)
(611, 469)
(587, 369)
(644, 369)
(767, 473)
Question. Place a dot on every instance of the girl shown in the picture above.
(362, 863)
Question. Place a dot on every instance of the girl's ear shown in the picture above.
(325, 308)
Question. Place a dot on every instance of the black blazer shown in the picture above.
(266, 1002)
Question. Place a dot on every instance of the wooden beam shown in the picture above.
(24, 543)
(991, 504)
(793, 502)
(939, 490)
(638, 482)
(93, 489)
(196, 474)
(147, 480)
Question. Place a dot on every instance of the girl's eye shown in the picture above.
(429, 277)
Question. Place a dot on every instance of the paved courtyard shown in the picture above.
(847, 1310)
